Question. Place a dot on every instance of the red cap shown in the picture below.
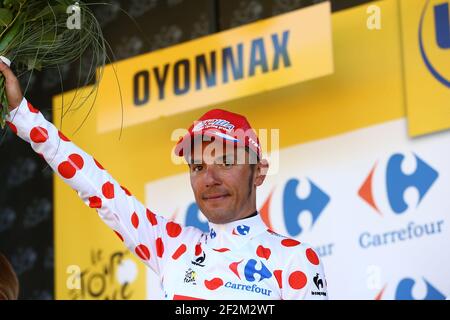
(221, 124)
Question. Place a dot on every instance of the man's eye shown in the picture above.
(197, 168)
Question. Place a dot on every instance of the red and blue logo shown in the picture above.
(294, 206)
(252, 268)
(193, 219)
(241, 230)
(406, 287)
(397, 182)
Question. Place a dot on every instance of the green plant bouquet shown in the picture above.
(39, 34)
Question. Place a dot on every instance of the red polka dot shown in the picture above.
(77, 161)
(41, 155)
(135, 220)
(38, 135)
(12, 127)
(108, 190)
(99, 165)
(222, 250)
(198, 249)
(159, 247)
(152, 218)
(278, 274)
(143, 252)
(32, 109)
(95, 202)
(119, 235)
(128, 193)
(297, 280)
(66, 170)
(62, 136)
(263, 252)
(173, 229)
(181, 249)
(213, 284)
(290, 242)
(312, 256)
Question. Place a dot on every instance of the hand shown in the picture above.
(12, 85)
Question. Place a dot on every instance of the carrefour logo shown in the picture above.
(396, 183)
(440, 16)
(409, 289)
(251, 270)
(241, 230)
(405, 290)
(385, 190)
(295, 206)
(193, 219)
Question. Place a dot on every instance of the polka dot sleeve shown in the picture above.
(303, 278)
(150, 237)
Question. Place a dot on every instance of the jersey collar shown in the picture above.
(235, 233)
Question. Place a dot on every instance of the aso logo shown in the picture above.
(385, 186)
(436, 15)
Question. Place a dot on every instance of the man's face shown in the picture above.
(224, 184)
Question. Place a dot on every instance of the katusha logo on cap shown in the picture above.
(220, 124)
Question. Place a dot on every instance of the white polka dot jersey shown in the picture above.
(238, 260)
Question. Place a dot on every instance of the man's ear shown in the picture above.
(261, 171)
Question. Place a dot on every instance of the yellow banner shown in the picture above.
(258, 57)
(91, 261)
(426, 49)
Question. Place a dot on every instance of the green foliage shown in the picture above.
(34, 35)
(6, 17)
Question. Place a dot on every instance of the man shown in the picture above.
(239, 258)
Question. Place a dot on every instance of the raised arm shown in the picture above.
(152, 238)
